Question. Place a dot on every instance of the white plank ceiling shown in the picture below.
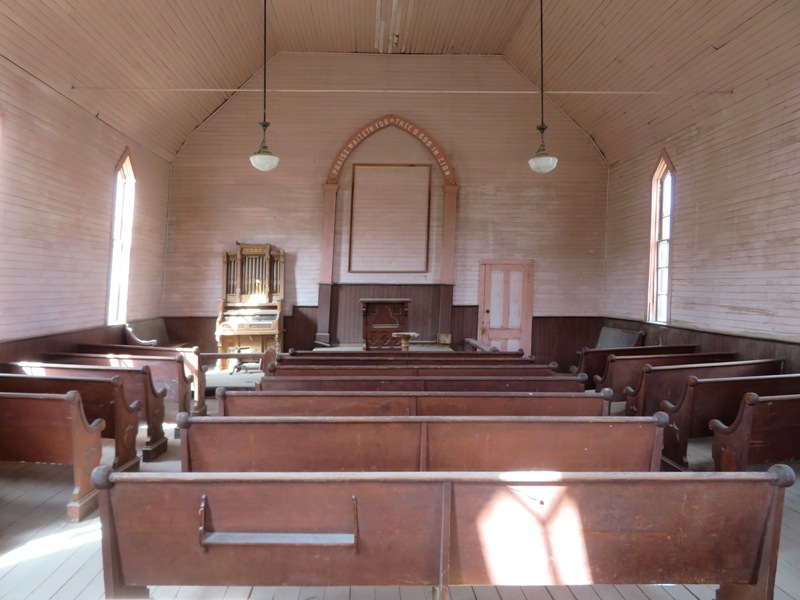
(629, 72)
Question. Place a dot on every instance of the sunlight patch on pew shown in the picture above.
(87, 534)
(526, 530)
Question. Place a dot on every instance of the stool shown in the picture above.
(404, 336)
(239, 366)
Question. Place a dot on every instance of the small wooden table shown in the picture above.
(404, 336)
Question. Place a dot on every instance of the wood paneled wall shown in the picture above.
(32, 348)
(423, 310)
(57, 178)
(735, 246)
(504, 209)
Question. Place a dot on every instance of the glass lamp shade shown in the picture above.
(264, 160)
(542, 162)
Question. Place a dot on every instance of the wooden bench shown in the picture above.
(442, 529)
(192, 363)
(668, 382)
(593, 360)
(764, 430)
(493, 355)
(527, 370)
(225, 444)
(707, 399)
(169, 372)
(343, 404)
(101, 398)
(626, 371)
(52, 428)
(137, 385)
(553, 383)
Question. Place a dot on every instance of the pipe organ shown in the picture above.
(250, 316)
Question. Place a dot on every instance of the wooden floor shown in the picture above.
(44, 557)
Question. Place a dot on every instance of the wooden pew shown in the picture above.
(345, 404)
(720, 399)
(626, 371)
(473, 370)
(611, 337)
(421, 443)
(137, 385)
(554, 383)
(53, 428)
(388, 354)
(765, 429)
(168, 372)
(668, 382)
(593, 360)
(442, 529)
(191, 361)
(102, 399)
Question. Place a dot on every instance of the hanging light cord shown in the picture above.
(264, 123)
(542, 126)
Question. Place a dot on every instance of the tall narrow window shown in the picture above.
(660, 233)
(121, 249)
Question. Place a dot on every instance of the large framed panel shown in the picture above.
(390, 218)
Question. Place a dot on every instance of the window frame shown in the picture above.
(663, 169)
(121, 240)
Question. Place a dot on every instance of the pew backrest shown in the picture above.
(441, 529)
(191, 362)
(667, 382)
(765, 429)
(593, 360)
(323, 403)
(626, 371)
(554, 383)
(169, 372)
(424, 370)
(53, 428)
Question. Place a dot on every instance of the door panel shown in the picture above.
(506, 304)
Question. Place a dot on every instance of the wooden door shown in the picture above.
(505, 306)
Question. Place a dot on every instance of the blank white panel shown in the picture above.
(390, 218)
(514, 299)
(496, 303)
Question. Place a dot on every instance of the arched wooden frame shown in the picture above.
(663, 166)
(331, 187)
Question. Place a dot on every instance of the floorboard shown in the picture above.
(42, 557)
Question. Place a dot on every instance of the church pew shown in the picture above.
(553, 383)
(52, 428)
(421, 443)
(168, 372)
(473, 370)
(442, 529)
(343, 404)
(137, 385)
(706, 399)
(593, 360)
(766, 430)
(191, 361)
(102, 398)
(667, 382)
(626, 371)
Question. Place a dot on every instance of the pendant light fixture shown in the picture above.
(263, 159)
(542, 162)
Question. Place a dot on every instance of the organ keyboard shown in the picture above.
(250, 313)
